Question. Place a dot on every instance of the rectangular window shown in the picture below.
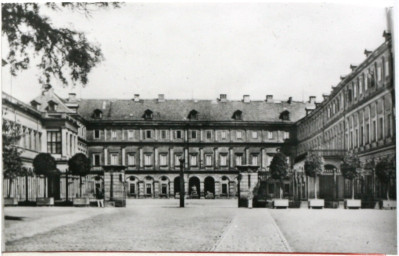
(386, 69)
(254, 159)
(178, 135)
(239, 134)
(374, 131)
(361, 135)
(367, 133)
(254, 135)
(389, 128)
(379, 73)
(223, 135)
(286, 135)
(163, 134)
(147, 160)
(177, 159)
(131, 160)
(132, 188)
(54, 142)
(356, 137)
(96, 159)
(381, 128)
(223, 160)
(208, 135)
(193, 160)
(130, 134)
(114, 159)
(164, 189)
(239, 159)
(163, 159)
(270, 135)
(148, 134)
(148, 189)
(113, 134)
(208, 160)
(224, 189)
(193, 134)
(351, 140)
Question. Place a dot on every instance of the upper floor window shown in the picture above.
(254, 159)
(113, 134)
(148, 115)
(193, 160)
(208, 135)
(130, 134)
(239, 159)
(223, 135)
(96, 159)
(286, 135)
(270, 135)
(147, 159)
(54, 142)
(285, 115)
(178, 135)
(193, 134)
(223, 159)
(208, 160)
(239, 134)
(254, 134)
(386, 68)
(163, 159)
(98, 114)
(237, 115)
(114, 159)
(52, 106)
(193, 115)
(163, 134)
(148, 134)
(131, 160)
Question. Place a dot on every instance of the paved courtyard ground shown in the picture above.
(204, 225)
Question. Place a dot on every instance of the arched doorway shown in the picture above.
(327, 184)
(225, 187)
(209, 188)
(176, 185)
(194, 187)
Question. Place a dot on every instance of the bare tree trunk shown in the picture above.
(315, 187)
(9, 188)
(80, 186)
(353, 188)
(66, 187)
(281, 190)
(388, 190)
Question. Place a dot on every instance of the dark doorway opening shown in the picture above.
(194, 187)
(209, 187)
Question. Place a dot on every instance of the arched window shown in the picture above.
(285, 115)
(237, 115)
(98, 114)
(193, 115)
(148, 114)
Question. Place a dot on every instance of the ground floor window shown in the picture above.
(132, 188)
(224, 188)
(164, 189)
(148, 189)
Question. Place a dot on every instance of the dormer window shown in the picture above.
(237, 115)
(193, 115)
(35, 104)
(97, 114)
(148, 114)
(52, 106)
(285, 115)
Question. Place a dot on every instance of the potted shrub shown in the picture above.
(350, 168)
(278, 171)
(12, 162)
(44, 164)
(386, 173)
(79, 165)
(313, 167)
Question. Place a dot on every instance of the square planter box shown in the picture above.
(13, 201)
(316, 203)
(388, 204)
(352, 203)
(81, 201)
(280, 203)
(47, 201)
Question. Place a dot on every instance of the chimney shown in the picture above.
(72, 97)
(342, 77)
(353, 67)
(223, 98)
(161, 97)
(308, 111)
(289, 100)
(367, 53)
(269, 98)
(325, 96)
(312, 99)
(137, 97)
(386, 35)
(246, 98)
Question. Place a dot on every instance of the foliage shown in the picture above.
(60, 50)
(79, 164)
(279, 167)
(386, 170)
(350, 166)
(45, 164)
(12, 162)
(313, 164)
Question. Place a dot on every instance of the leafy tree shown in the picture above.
(386, 171)
(313, 167)
(79, 165)
(350, 168)
(12, 161)
(60, 50)
(45, 164)
(279, 169)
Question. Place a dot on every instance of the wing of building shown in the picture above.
(147, 137)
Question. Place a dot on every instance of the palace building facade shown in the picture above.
(147, 137)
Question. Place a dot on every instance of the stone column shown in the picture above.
(186, 190)
(202, 189)
(262, 156)
(105, 134)
(186, 158)
(232, 189)
(231, 161)
(201, 158)
(156, 164)
(215, 161)
(141, 158)
(171, 189)
(64, 142)
(105, 156)
(171, 155)
(123, 156)
(247, 156)
(217, 189)
(141, 189)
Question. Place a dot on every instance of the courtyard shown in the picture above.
(203, 226)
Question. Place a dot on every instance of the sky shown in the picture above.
(202, 50)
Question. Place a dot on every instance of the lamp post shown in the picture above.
(182, 182)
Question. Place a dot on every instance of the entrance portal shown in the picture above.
(194, 187)
(209, 187)
(176, 184)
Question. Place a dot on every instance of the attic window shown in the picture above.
(193, 115)
(285, 115)
(98, 114)
(148, 115)
(237, 115)
(52, 106)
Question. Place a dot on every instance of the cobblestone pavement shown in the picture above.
(204, 225)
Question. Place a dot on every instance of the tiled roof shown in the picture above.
(178, 110)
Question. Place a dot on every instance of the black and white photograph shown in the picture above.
(199, 127)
